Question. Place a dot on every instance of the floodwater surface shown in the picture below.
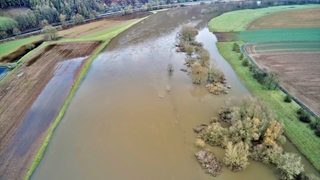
(41, 114)
(131, 120)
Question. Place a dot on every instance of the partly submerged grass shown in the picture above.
(239, 20)
(106, 37)
(299, 133)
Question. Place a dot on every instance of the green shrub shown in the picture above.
(304, 116)
(236, 47)
(300, 111)
(77, 19)
(50, 33)
(315, 124)
(245, 62)
(287, 99)
(260, 75)
(241, 57)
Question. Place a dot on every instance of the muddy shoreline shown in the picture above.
(17, 95)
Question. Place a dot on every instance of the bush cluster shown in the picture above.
(250, 131)
(198, 59)
(303, 115)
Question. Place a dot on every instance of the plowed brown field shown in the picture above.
(299, 74)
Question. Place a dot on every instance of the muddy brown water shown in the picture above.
(131, 120)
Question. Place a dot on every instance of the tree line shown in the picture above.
(38, 13)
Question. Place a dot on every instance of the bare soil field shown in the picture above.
(227, 36)
(17, 94)
(99, 25)
(299, 74)
(301, 18)
(86, 29)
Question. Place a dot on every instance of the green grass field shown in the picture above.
(281, 35)
(239, 20)
(299, 133)
(8, 47)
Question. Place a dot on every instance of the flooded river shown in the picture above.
(131, 120)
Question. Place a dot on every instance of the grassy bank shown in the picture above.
(11, 46)
(106, 36)
(281, 35)
(239, 20)
(299, 133)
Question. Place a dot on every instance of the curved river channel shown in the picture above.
(130, 120)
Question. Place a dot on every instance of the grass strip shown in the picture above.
(299, 133)
(239, 20)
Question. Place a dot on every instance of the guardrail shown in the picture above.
(244, 52)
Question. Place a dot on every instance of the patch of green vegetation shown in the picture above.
(239, 20)
(280, 35)
(107, 37)
(7, 23)
(298, 132)
(11, 46)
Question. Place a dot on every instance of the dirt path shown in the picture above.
(17, 95)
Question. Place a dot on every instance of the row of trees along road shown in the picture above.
(21, 15)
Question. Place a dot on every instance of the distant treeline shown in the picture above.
(17, 16)
(22, 15)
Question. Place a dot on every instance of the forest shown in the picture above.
(17, 16)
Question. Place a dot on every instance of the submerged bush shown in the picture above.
(215, 135)
(188, 33)
(290, 166)
(236, 157)
(249, 130)
(200, 143)
(199, 74)
(215, 75)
